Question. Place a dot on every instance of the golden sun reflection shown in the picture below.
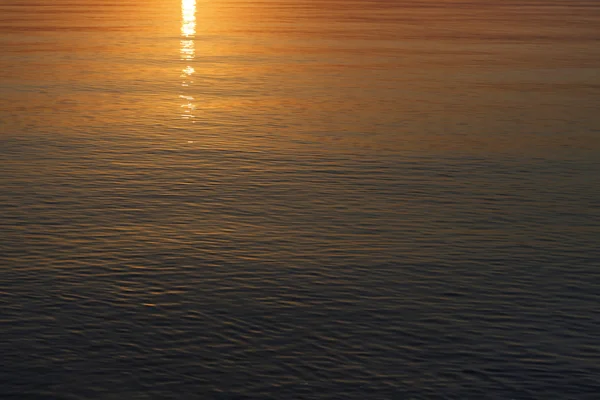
(188, 13)
(187, 53)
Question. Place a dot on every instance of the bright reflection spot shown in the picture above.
(187, 53)
(188, 20)
(187, 50)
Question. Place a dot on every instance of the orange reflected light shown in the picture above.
(188, 14)
(187, 52)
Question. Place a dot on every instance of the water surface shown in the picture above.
(289, 199)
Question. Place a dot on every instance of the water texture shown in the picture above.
(288, 199)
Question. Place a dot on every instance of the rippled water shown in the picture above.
(288, 199)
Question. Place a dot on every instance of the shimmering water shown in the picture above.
(288, 199)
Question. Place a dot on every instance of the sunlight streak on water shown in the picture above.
(188, 23)
(188, 53)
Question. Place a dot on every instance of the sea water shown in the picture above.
(286, 199)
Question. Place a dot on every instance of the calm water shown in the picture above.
(286, 199)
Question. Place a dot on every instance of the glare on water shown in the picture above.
(188, 53)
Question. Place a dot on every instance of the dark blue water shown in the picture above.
(292, 200)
